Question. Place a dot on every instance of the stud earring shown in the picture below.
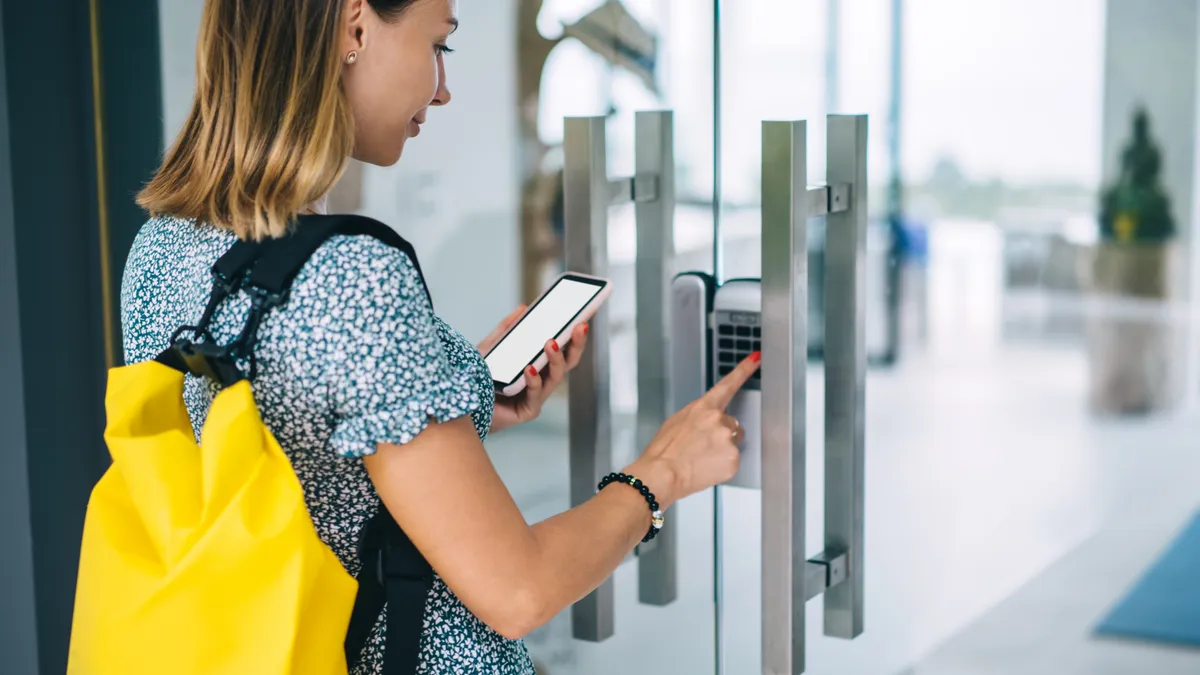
(351, 58)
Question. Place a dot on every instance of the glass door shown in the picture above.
(774, 73)
(1028, 293)
(616, 103)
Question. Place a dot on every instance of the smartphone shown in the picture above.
(571, 300)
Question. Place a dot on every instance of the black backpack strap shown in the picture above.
(284, 258)
(228, 273)
(393, 572)
(199, 355)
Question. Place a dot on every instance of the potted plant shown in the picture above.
(1131, 342)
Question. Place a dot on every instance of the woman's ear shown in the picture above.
(354, 22)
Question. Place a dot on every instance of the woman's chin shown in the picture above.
(382, 159)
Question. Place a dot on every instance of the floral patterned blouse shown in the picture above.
(355, 358)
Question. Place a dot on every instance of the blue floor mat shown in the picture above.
(1164, 605)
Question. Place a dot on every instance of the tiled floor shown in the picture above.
(1045, 627)
(1001, 520)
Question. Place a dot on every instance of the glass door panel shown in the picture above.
(1009, 151)
(1030, 472)
(613, 61)
(773, 67)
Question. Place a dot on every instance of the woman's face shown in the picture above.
(397, 75)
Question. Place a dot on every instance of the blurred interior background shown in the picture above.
(1033, 447)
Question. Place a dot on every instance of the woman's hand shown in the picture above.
(527, 405)
(697, 447)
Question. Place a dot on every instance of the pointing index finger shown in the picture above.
(725, 389)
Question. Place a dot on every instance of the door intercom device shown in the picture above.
(691, 305)
(737, 332)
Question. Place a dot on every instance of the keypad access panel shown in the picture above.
(737, 335)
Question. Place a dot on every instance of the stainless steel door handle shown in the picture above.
(654, 147)
(587, 194)
(586, 198)
(789, 577)
(784, 372)
(846, 370)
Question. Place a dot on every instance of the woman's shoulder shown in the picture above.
(362, 255)
(349, 267)
(161, 233)
(171, 251)
(164, 243)
(344, 270)
(349, 258)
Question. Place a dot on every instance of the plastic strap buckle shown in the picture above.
(206, 359)
(227, 286)
(265, 300)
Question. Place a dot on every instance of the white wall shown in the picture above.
(179, 23)
(456, 193)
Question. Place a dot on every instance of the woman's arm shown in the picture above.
(445, 494)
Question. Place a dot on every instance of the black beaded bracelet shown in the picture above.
(656, 516)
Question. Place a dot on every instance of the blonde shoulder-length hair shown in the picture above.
(270, 129)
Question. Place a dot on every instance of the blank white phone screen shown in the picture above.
(544, 321)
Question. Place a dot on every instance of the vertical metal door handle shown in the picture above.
(789, 578)
(785, 207)
(654, 147)
(846, 370)
(586, 198)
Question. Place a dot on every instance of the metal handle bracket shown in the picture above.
(826, 199)
(824, 571)
(641, 189)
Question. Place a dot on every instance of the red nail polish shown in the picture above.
(586, 328)
(756, 357)
(554, 345)
(532, 371)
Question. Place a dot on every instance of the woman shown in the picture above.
(350, 368)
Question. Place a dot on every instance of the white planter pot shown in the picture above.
(1134, 345)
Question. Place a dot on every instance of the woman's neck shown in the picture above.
(318, 207)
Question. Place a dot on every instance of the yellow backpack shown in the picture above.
(200, 557)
